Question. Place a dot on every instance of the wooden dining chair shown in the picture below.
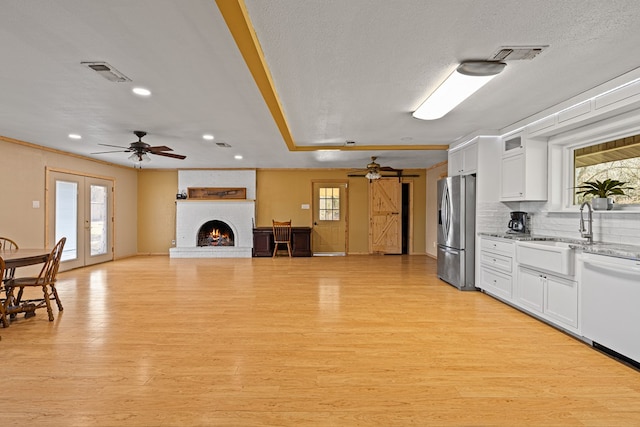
(3, 300)
(7, 244)
(45, 280)
(281, 235)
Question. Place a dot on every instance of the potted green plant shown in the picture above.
(602, 192)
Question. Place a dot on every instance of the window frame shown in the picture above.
(561, 158)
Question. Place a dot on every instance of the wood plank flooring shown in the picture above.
(324, 341)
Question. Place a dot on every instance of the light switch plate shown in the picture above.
(304, 206)
(36, 204)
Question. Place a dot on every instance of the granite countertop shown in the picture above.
(618, 250)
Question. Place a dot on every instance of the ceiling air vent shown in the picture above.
(107, 71)
(517, 53)
(223, 144)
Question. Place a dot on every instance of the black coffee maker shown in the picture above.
(518, 223)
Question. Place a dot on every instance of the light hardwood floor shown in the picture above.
(324, 341)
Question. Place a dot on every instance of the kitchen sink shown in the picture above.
(547, 255)
(549, 243)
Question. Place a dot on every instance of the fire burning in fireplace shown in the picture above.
(215, 233)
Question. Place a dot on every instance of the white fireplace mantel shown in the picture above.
(192, 214)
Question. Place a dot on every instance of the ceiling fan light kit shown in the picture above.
(139, 157)
(467, 78)
(371, 175)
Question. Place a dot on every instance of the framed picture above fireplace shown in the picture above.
(216, 193)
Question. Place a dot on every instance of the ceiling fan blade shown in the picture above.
(156, 150)
(117, 146)
(174, 156)
(112, 151)
(389, 169)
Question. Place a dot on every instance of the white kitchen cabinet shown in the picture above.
(561, 301)
(496, 267)
(530, 289)
(464, 160)
(523, 169)
(548, 296)
(512, 183)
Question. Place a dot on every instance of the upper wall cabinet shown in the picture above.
(463, 161)
(524, 169)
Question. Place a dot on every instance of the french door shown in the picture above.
(80, 208)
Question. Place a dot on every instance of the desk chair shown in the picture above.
(45, 280)
(281, 235)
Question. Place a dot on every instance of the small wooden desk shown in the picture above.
(263, 241)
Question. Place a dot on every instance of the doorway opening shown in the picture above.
(406, 216)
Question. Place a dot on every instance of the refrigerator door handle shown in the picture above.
(445, 214)
(450, 250)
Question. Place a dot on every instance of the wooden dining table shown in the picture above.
(21, 257)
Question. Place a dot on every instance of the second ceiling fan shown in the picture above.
(375, 171)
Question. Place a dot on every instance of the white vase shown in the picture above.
(602, 203)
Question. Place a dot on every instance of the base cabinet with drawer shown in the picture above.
(496, 267)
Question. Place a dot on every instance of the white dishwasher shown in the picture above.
(611, 303)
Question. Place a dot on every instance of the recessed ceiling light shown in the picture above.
(207, 136)
(237, 157)
(141, 91)
(75, 136)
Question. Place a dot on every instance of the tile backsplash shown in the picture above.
(614, 227)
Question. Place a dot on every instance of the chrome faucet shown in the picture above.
(586, 232)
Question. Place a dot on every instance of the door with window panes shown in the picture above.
(80, 208)
(329, 218)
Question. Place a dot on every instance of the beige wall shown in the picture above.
(279, 195)
(22, 173)
(145, 200)
(156, 210)
(433, 175)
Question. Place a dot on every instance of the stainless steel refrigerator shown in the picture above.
(456, 231)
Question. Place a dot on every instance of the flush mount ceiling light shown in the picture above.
(462, 83)
(75, 136)
(238, 157)
(208, 137)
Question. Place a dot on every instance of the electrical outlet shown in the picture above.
(173, 243)
(434, 244)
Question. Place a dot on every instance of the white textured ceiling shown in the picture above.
(343, 70)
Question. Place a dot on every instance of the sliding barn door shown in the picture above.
(385, 212)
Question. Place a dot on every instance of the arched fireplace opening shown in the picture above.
(215, 233)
